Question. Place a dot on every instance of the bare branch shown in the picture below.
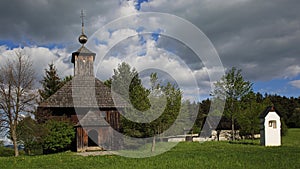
(16, 96)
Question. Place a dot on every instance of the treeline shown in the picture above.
(243, 106)
(289, 109)
(241, 111)
(160, 107)
(155, 109)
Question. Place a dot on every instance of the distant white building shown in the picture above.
(270, 129)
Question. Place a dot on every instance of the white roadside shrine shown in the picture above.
(270, 127)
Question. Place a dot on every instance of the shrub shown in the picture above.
(60, 135)
(5, 152)
(31, 134)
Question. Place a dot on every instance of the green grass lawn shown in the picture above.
(184, 155)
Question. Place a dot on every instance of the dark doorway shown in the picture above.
(93, 138)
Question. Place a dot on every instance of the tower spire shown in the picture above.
(83, 59)
(82, 38)
(82, 21)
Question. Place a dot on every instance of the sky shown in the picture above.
(261, 37)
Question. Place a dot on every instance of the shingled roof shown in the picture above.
(92, 118)
(267, 110)
(84, 92)
(83, 51)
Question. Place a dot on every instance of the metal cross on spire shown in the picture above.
(82, 38)
(82, 20)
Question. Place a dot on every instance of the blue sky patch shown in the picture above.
(138, 4)
(100, 42)
(53, 46)
(142, 53)
(9, 44)
(276, 86)
(142, 39)
(155, 36)
(140, 29)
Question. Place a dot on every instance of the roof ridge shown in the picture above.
(65, 98)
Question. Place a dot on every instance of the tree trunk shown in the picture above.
(232, 129)
(252, 134)
(218, 134)
(232, 122)
(153, 144)
(14, 139)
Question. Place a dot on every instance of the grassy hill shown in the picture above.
(184, 155)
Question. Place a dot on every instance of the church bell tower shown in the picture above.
(83, 58)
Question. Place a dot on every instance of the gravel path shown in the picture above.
(97, 153)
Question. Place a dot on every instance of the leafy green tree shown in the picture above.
(172, 109)
(233, 87)
(59, 136)
(158, 104)
(190, 111)
(294, 120)
(165, 99)
(50, 83)
(251, 107)
(203, 111)
(31, 134)
(147, 103)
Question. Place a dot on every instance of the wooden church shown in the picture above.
(87, 103)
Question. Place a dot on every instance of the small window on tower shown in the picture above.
(272, 123)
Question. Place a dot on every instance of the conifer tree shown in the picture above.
(127, 84)
(50, 83)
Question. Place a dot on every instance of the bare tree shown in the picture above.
(16, 94)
